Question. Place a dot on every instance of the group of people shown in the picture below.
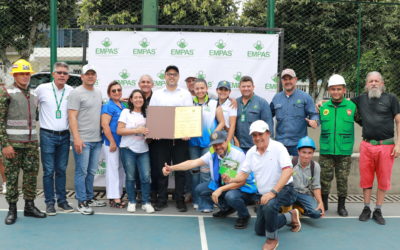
(234, 163)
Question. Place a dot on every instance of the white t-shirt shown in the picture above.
(228, 111)
(267, 168)
(177, 97)
(48, 106)
(135, 142)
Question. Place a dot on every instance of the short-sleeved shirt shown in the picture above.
(267, 167)
(377, 115)
(177, 97)
(228, 112)
(135, 142)
(112, 109)
(290, 112)
(48, 106)
(88, 104)
(303, 182)
(255, 109)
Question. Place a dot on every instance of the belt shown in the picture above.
(64, 132)
(380, 142)
(195, 171)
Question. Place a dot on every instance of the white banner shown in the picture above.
(126, 55)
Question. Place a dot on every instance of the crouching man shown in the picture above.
(272, 167)
(229, 197)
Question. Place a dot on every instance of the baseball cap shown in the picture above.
(172, 67)
(259, 126)
(224, 84)
(87, 67)
(288, 72)
(190, 77)
(218, 137)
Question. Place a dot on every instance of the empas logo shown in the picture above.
(160, 81)
(106, 50)
(258, 53)
(221, 51)
(236, 77)
(182, 49)
(124, 81)
(274, 85)
(145, 49)
(202, 75)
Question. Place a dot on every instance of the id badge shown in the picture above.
(242, 117)
(58, 114)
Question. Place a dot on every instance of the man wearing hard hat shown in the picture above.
(19, 140)
(336, 141)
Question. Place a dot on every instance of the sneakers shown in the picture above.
(241, 222)
(223, 213)
(4, 188)
(148, 208)
(160, 206)
(181, 206)
(65, 207)
(131, 207)
(96, 203)
(365, 214)
(206, 211)
(50, 210)
(296, 224)
(377, 216)
(195, 206)
(84, 208)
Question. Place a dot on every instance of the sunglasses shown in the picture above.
(116, 90)
(172, 74)
(62, 73)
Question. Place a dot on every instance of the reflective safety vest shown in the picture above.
(21, 115)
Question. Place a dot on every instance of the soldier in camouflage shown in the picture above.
(19, 141)
(336, 141)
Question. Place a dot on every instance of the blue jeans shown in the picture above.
(292, 150)
(140, 161)
(54, 151)
(309, 204)
(86, 164)
(200, 174)
(269, 220)
(235, 199)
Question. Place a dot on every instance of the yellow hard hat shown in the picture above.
(21, 66)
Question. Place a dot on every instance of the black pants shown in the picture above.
(170, 152)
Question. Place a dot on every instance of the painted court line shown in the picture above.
(203, 237)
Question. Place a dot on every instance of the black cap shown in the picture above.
(172, 67)
(218, 137)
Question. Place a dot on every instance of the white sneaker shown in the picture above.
(131, 207)
(195, 206)
(206, 211)
(96, 203)
(148, 208)
(84, 208)
(4, 188)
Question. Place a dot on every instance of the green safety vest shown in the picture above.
(337, 128)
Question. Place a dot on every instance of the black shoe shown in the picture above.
(365, 214)
(181, 206)
(66, 207)
(50, 210)
(31, 211)
(241, 222)
(377, 216)
(325, 199)
(341, 208)
(160, 206)
(223, 213)
(11, 217)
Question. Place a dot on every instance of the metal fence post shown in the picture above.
(53, 33)
(359, 46)
(271, 14)
(149, 13)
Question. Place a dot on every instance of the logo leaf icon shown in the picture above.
(106, 42)
(144, 43)
(201, 75)
(182, 43)
(258, 45)
(220, 44)
(161, 75)
(124, 74)
(237, 76)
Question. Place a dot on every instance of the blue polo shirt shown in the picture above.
(257, 108)
(114, 111)
(290, 115)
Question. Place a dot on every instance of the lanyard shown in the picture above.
(58, 111)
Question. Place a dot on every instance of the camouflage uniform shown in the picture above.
(338, 165)
(27, 156)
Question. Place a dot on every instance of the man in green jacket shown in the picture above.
(336, 141)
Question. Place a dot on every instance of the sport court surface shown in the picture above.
(140, 231)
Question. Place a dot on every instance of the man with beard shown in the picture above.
(378, 148)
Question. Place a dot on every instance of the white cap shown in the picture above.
(336, 80)
(288, 72)
(259, 126)
(87, 67)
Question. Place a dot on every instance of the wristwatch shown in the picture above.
(274, 192)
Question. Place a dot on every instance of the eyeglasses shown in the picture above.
(116, 90)
(61, 73)
(172, 74)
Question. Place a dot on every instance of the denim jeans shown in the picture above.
(235, 199)
(269, 220)
(136, 161)
(292, 150)
(200, 174)
(54, 151)
(86, 164)
(309, 204)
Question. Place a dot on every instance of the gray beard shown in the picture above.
(374, 93)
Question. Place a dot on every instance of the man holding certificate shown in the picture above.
(223, 158)
(167, 150)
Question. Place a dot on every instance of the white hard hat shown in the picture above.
(336, 80)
